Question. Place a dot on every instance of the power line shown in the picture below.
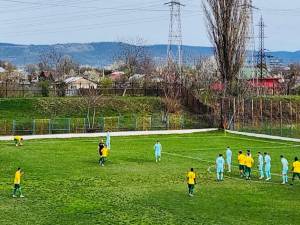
(175, 34)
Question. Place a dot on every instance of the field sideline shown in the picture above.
(64, 185)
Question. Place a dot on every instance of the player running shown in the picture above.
(107, 139)
(18, 141)
(228, 159)
(285, 168)
(17, 183)
(261, 165)
(157, 151)
(100, 147)
(296, 170)
(249, 163)
(103, 157)
(241, 159)
(267, 166)
(220, 162)
(191, 181)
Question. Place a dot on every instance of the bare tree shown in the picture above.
(228, 22)
(90, 102)
(66, 65)
(171, 87)
(134, 57)
(50, 60)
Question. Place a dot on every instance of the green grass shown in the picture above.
(43, 108)
(63, 183)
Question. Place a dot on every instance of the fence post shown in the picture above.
(252, 113)
(168, 122)
(33, 126)
(14, 127)
(136, 122)
(118, 123)
(261, 114)
(182, 121)
(280, 108)
(243, 113)
(271, 117)
(291, 119)
(84, 125)
(69, 125)
(50, 127)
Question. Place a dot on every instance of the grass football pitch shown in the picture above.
(63, 183)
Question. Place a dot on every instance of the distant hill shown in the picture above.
(102, 53)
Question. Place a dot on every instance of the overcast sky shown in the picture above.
(64, 21)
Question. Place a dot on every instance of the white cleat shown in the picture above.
(261, 178)
(268, 179)
(14, 196)
(283, 183)
(22, 196)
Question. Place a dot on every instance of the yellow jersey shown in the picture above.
(296, 166)
(249, 161)
(191, 177)
(104, 152)
(242, 159)
(17, 177)
(18, 138)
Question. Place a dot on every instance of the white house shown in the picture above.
(76, 83)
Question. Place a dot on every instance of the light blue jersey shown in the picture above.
(220, 167)
(220, 164)
(157, 149)
(285, 164)
(228, 155)
(260, 161)
(261, 165)
(107, 140)
(285, 168)
(268, 161)
(268, 166)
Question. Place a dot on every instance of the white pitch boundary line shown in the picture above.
(258, 140)
(265, 136)
(112, 134)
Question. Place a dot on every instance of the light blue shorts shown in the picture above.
(285, 171)
(157, 154)
(220, 170)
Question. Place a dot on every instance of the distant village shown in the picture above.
(59, 75)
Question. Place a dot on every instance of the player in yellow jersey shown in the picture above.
(104, 155)
(241, 159)
(191, 181)
(18, 140)
(248, 165)
(17, 183)
(296, 169)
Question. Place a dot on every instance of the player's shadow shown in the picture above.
(93, 162)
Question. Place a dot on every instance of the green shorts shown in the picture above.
(241, 167)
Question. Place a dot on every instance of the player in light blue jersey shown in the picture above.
(107, 142)
(285, 168)
(228, 158)
(267, 166)
(157, 151)
(220, 162)
(261, 165)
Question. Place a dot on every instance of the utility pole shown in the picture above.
(261, 60)
(175, 35)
